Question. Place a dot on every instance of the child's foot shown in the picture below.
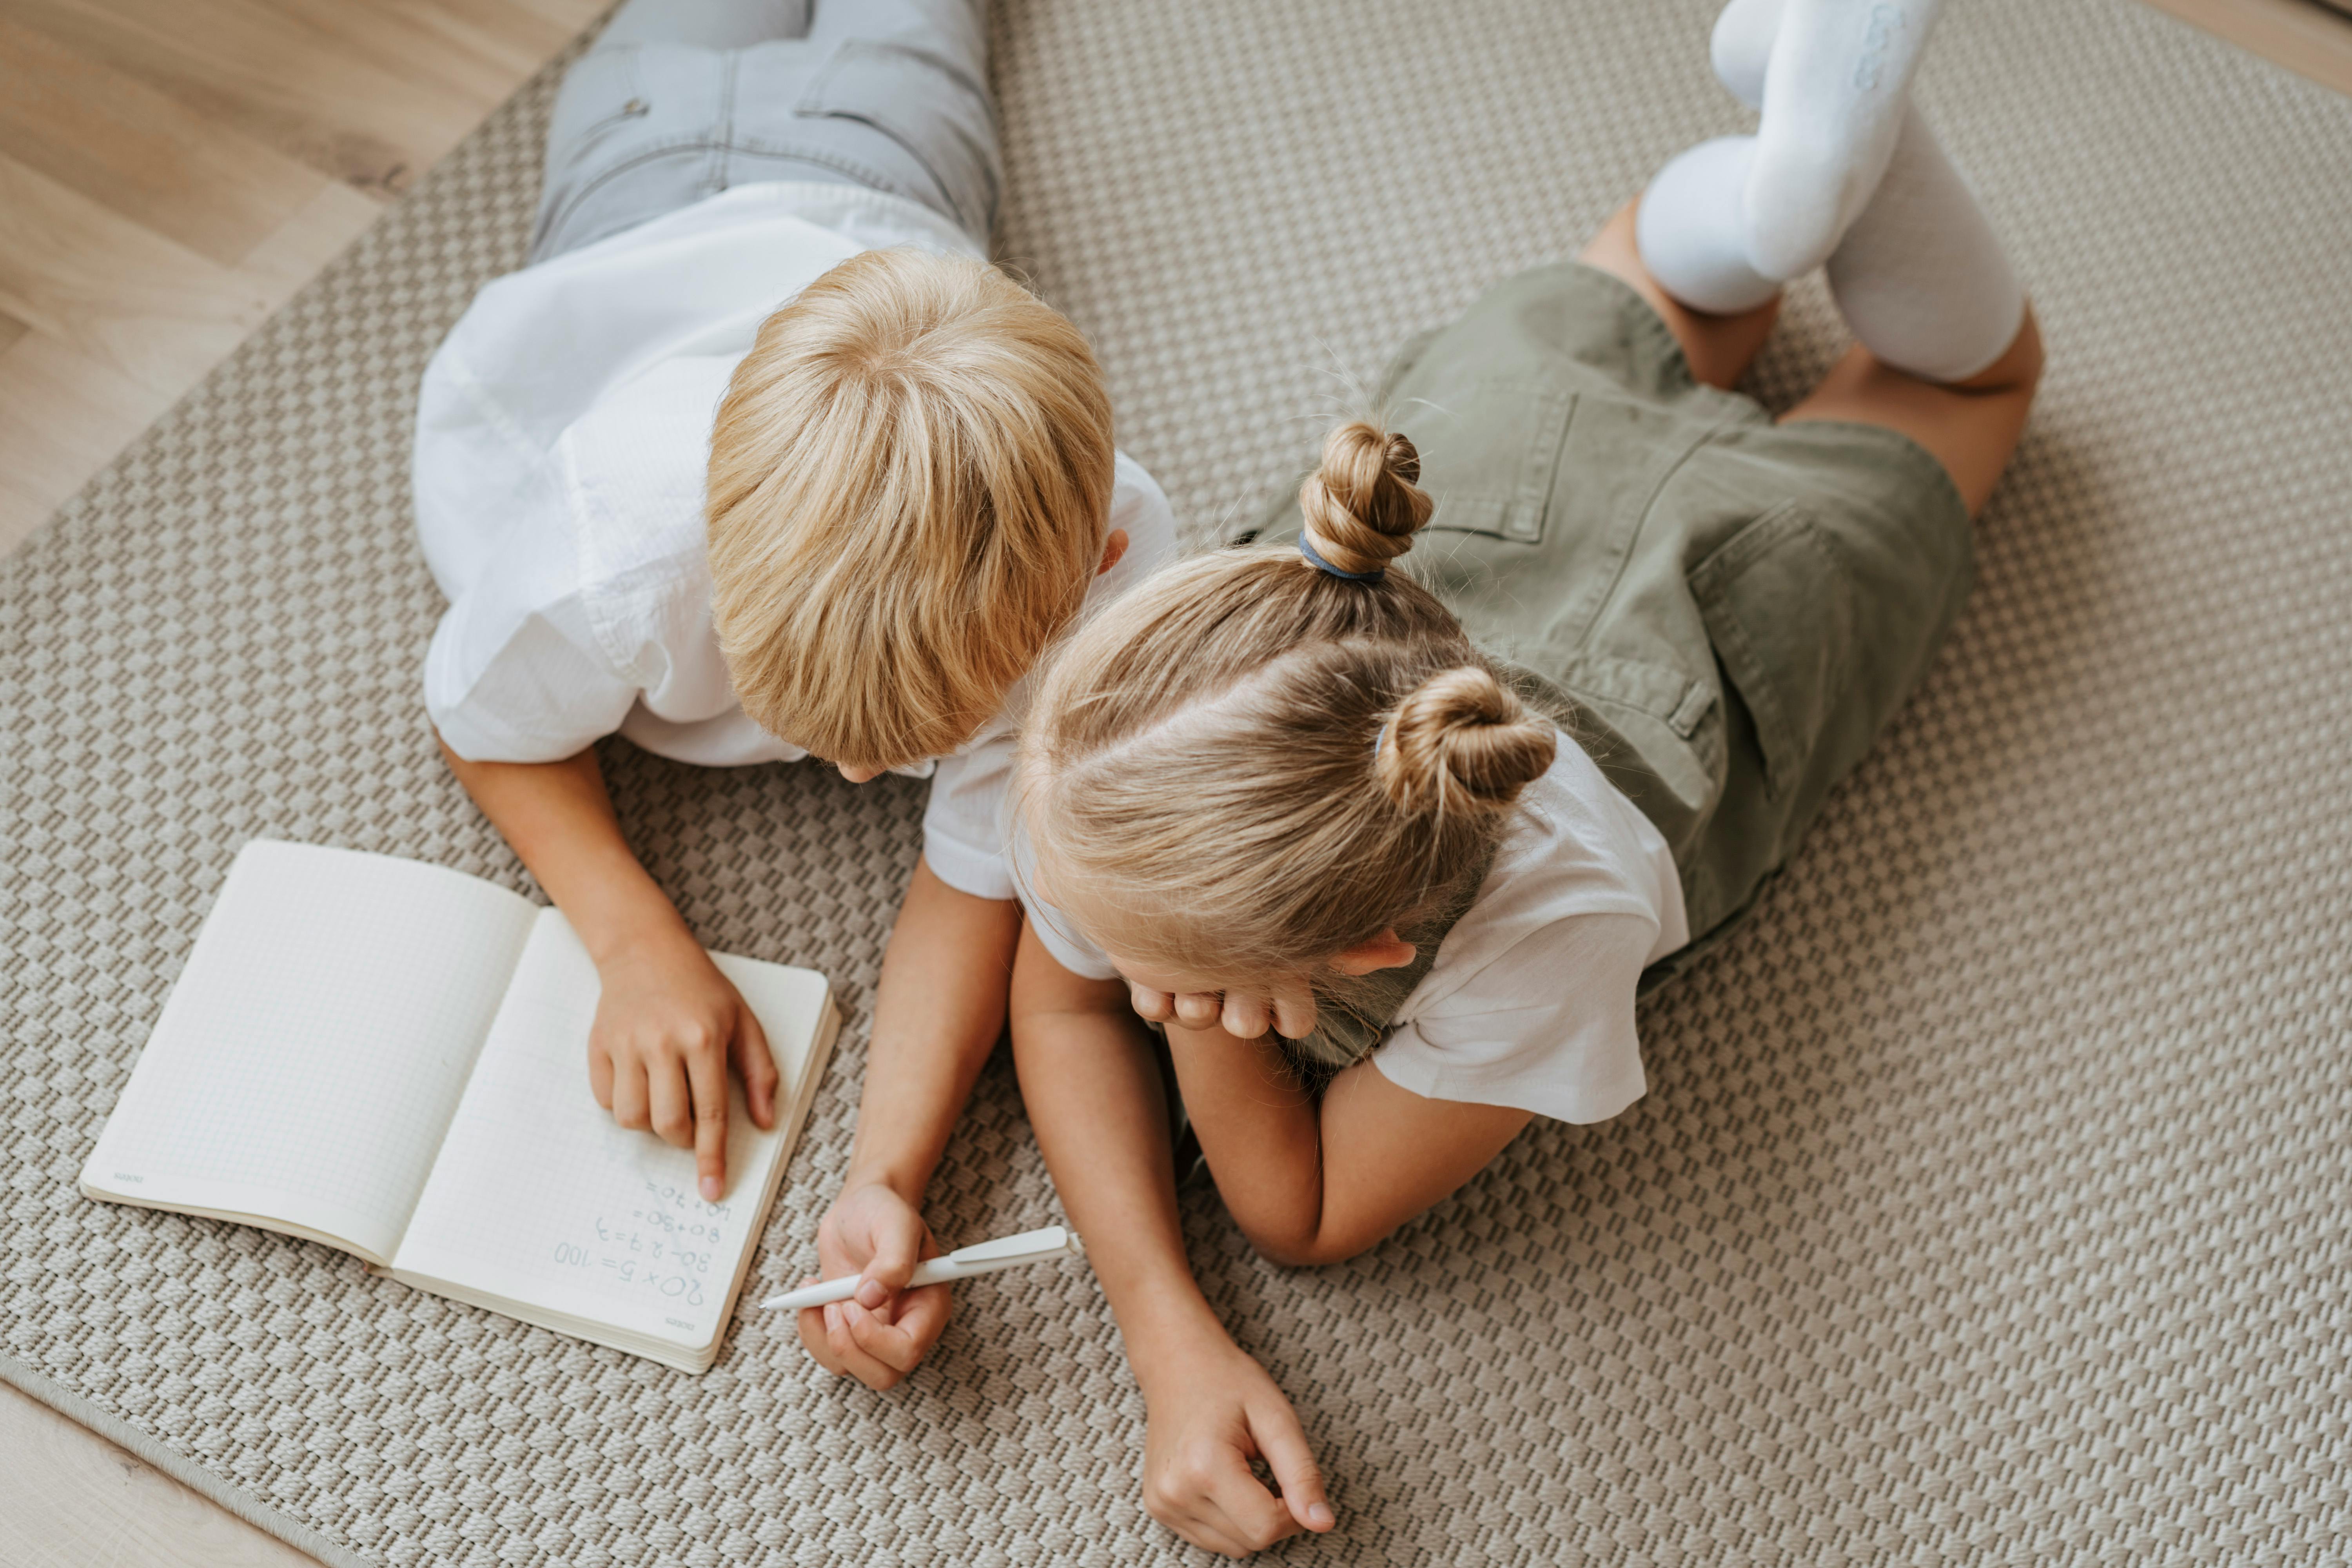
(1835, 89)
(1741, 47)
(1690, 232)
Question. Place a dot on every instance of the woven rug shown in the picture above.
(1988, 1202)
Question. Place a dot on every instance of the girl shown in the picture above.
(1439, 821)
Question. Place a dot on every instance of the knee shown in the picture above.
(2028, 347)
(1310, 1252)
(2019, 368)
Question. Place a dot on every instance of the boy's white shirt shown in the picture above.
(1530, 1001)
(562, 433)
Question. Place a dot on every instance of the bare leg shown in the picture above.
(1719, 348)
(1972, 427)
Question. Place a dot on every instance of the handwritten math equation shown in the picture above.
(664, 1245)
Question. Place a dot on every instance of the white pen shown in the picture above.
(982, 1258)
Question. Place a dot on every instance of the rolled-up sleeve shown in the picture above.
(964, 823)
(1546, 1026)
(507, 680)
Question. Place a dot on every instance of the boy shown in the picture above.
(908, 489)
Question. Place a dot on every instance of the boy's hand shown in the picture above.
(879, 1335)
(1210, 1411)
(1288, 1010)
(668, 1026)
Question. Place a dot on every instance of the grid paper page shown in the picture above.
(309, 1058)
(539, 1196)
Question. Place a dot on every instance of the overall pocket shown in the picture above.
(1489, 452)
(1780, 610)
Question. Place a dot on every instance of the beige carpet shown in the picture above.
(1989, 1201)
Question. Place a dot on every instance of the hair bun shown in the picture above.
(1461, 740)
(1364, 503)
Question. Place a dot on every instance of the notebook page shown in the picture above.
(310, 1054)
(539, 1197)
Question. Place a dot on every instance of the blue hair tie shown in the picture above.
(1307, 548)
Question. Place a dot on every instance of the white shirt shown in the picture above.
(562, 435)
(1530, 1000)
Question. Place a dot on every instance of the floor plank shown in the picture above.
(115, 289)
(67, 407)
(142, 152)
(62, 416)
(70, 1499)
(369, 93)
(172, 171)
(2304, 35)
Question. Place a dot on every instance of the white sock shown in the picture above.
(1741, 47)
(1689, 230)
(1920, 276)
(1838, 80)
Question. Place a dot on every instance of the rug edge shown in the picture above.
(153, 1451)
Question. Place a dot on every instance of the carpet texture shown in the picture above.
(1989, 1201)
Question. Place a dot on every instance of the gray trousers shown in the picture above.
(681, 100)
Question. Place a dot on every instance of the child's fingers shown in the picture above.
(852, 1357)
(1284, 1443)
(1294, 1012)
(1239, 1501)
(629, 1104)
(811, 1323)
(898, 1244)
(1245, 1018)
(756, 1063)
(1192, 1515)
(706, 1074)
(1155, 1006)
(1199, 1009)
(888, 1343)
(669, 1101)
(922, 1315)
(600, 1074)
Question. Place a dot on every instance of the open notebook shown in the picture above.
(391, 1058)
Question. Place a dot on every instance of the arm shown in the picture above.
(1316, 1181)
(938, 1013)
(668, 1023)
(1093, 1089)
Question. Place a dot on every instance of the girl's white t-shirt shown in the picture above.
(562, 435)
(1530, 1001)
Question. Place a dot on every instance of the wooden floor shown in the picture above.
(170, 172)
(69, 1499)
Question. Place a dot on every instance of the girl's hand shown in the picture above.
(668, 1026)
(1288, 1010)
(879, 1335)
(1212, 1410)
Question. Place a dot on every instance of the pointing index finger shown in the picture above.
(705, 1073)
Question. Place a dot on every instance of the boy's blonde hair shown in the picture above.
(1248, 765)
(910, 480)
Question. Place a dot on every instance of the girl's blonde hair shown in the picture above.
(909, 484)
(1247, 764)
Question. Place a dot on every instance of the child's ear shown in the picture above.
(1386, 951)
(1114, 549)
